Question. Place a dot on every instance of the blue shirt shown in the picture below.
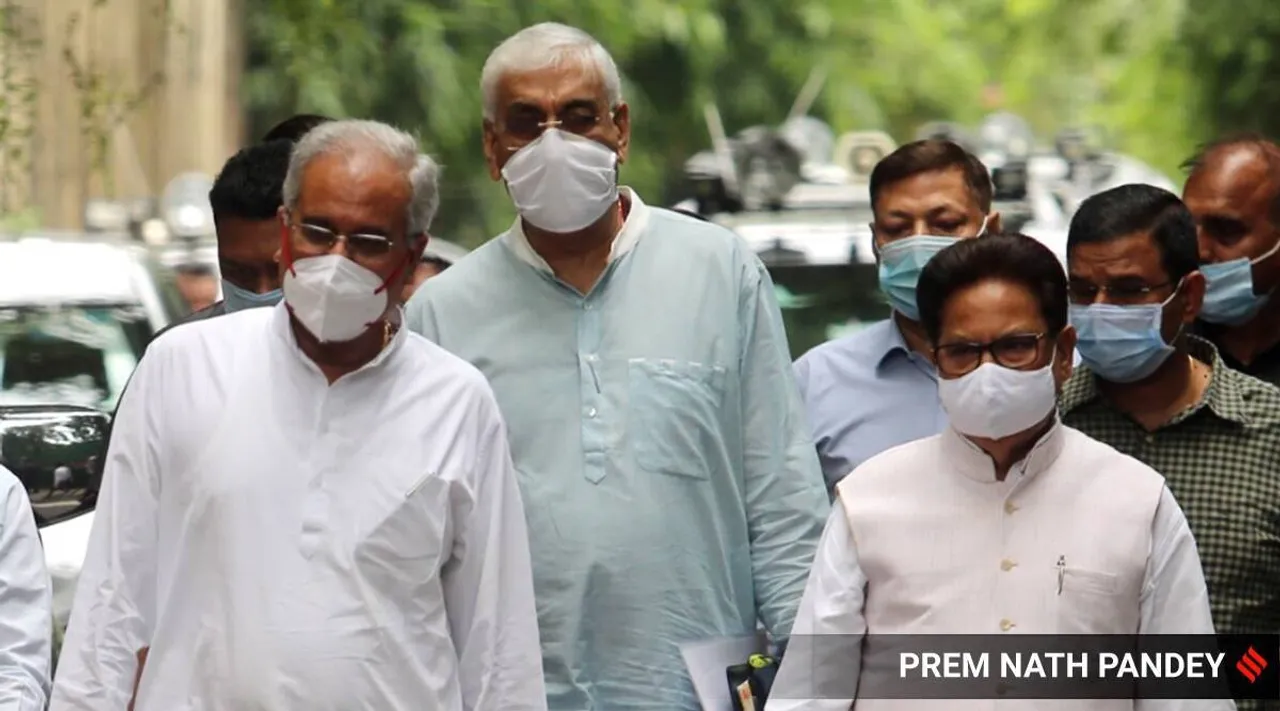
(865, 393)
(667, 471)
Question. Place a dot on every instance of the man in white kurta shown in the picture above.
(284, 539)
(26, 603)
(926, 539)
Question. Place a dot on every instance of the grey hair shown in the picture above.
(346, 136)
(548, 44)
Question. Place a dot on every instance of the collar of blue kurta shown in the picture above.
(634, 226)
(893, 345)
(280, 327)
(971, 461)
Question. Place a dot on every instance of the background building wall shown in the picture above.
(158, 85)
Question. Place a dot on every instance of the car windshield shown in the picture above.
(821, 303)
(68, 354)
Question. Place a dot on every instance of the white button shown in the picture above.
(591, 357)
(1009, 507)
(591, 412)
(587, 306)
(1006, 625)
(1006, 565)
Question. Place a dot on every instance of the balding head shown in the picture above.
(1233, 191)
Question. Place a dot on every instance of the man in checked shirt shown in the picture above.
(1154, 391)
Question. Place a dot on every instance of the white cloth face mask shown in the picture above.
(562, 182)
(333, 297)
(994, 401)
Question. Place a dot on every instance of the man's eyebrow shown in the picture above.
(371, 230)
(579, 104)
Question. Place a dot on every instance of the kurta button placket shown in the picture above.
(596, 416)
(315, 507)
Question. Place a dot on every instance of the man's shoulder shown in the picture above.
(422, 354)
(890, 464)
(862, 348)
(9, 486)
(1257, 400)
(463, 279)
(234, 330)
(692, 237)
(1093, 457)
(440, 377)
(208, 312)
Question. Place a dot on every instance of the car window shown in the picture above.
(71, 355)
(821, 303)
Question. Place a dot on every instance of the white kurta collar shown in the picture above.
(970, 460)
(635, 224)
(283, 332)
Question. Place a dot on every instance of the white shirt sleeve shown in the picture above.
(488, 585)
(824, 653)
(26, 603)
(114, 609)
(1175, 599)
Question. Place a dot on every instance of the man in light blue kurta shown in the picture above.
(670, 483)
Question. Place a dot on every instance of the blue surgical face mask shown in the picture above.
(1229, 297)
(238, 299)
(1121, 344)
(902, 261)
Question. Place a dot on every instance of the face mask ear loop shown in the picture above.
(1270, 253)
(286, 249)
(394, 273)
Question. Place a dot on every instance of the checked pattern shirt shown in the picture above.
(1221, 460)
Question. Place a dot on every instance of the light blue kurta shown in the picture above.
(668, 474)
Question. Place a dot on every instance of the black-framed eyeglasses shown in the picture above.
(1016, 351)
(528, 125)
(1121, 293)
(360, 245)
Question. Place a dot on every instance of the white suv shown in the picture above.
(75, 317)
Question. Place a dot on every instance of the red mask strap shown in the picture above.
(286, 249)
(394, 273)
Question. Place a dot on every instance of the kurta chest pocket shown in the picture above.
(675, 415)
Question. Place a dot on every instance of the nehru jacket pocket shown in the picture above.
(1095, 602)
(674, 415)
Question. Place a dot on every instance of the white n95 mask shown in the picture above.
(994, 401)
(562, 182)
(333, 297)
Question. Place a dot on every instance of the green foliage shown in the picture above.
(20, 44)
(1124, 64)
(105, 102)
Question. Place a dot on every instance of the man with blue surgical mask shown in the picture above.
(1234, 193)
(877, 388)
(640, 360)
(245, 199)
(1158, 393)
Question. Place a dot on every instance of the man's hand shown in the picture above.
(142, 661)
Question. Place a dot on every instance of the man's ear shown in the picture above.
(994, 225)
(283, 215)
(418, 246)
(622, 119)
(1065, 355)
(1193, 286)
(492, 150)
